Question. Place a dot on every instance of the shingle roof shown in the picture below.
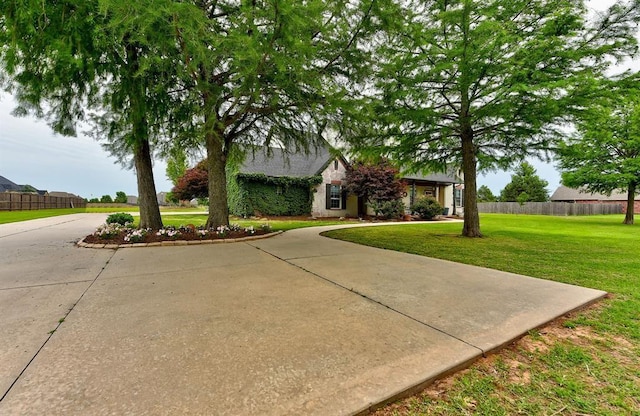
(63, 194)
(281, 163)
(564, 193)
(7, 185)
(434, 177)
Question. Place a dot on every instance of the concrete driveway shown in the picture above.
(294, 324)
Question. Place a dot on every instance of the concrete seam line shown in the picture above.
(57, 327)
(44, 285)
(371, 300)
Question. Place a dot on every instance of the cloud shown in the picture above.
(33, 154)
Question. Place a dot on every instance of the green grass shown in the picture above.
(276, 224)
(168, 220)
(594, 367)
(17, 216)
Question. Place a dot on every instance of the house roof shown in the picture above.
(63, 194)
(278, 162)
(564, 193)
(448, 177)
(6, 185)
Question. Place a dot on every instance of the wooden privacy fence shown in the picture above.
(549, 208)
(13, 201)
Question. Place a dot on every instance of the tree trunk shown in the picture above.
(217, 162)
(147, 199)
(631, 199)
(471, 227)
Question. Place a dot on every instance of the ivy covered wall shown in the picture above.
(250, 194)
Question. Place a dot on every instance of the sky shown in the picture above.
(30, 153)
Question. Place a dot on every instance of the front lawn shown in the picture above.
(17, 216)
(171, 216)
(587, 364)
(275, 223)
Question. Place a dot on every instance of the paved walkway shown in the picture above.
(295, 324)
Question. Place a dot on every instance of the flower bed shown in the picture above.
(126, 234)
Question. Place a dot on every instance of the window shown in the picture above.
(335, 164)
(336, 197)
(457, 193)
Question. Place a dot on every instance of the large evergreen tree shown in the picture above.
(70, 61)
(263, 72)
(604, 155)
(525, 186)
(482, 84)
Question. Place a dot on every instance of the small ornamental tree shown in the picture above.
(375, 183)
(525, 182)
(193, 184)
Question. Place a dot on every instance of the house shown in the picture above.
(572, 195)
(7, 186)
(299, 183)
(445, 188)
(312, 183)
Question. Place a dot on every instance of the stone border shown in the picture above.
(172, 243)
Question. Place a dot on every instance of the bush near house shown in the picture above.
(391, 209)
(427, 208)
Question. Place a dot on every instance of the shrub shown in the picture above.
(426, 208)
(121, 218)
(391, 209)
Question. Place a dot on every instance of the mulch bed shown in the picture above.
(185, 235)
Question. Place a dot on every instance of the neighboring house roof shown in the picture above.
(63, 194)
(7, 186)
(434, 177)
(564, 193)
(278, 162)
